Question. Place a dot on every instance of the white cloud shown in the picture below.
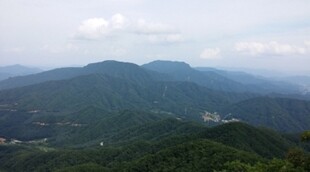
(210, 53)
(98, 28)
(92, 28)
(273, 48)
(143, 27)
(118, 21)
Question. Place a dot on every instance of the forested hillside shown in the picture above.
(115, 116)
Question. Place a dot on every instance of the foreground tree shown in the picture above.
(305, 136)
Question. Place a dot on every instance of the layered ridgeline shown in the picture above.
(117, 69)
(280, 113)
(263, 84)
(47, 109)
(16, 70)
(167, 144)
(36, 111)
(163, 71)
(116, 86)
(222, 80)
(114, 116)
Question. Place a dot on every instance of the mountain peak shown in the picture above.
(112, 66)
(123, 70)
(112, 63)
(167, 66)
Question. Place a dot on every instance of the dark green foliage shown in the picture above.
(106, 129)
(89, 167)
(187, 100)
(295, 156)
(114, 116)
(289, 115)
(113, 94)
(271, 166)
(266, 143)
(161, 145)
(116, 86)
(97, 90)
(158, 130)
(18, 125)
(305, 136)
(193, 156)
(200, 153)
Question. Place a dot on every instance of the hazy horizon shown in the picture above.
(258, 35)
(254, 71)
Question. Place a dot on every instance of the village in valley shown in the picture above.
(215, 117)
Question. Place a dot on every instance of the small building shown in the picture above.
(2, 140)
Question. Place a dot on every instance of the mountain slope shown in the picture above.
(114, 93)
(237, 76)
(133, 157)
(128, 71)
(192, 156)
(183, 99)
(16, 70)
(266, 143)
(133, 152)
(138, 141)
(279, 113)
(30, 112)
(97, 90)
(262, 84)
(181, 71)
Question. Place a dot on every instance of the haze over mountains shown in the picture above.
(154, 86)
(173, 87)
(113, 104)
(178, 71)
(16, 70)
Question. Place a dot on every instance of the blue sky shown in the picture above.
(273, 35)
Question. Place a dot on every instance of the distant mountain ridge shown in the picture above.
(181, 71)
(262, 84)
(113, 68)
(164, 71)
(172, 87)
(283, 114)
(221, 80)
(16, 70)
(115, 93)
(115, 116)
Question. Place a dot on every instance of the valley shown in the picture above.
(113, 116)
(154, 86)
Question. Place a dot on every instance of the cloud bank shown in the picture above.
(119, 25)
(210, 53)
(269, 48)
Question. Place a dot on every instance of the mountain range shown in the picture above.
(152, 117)
(16, 70)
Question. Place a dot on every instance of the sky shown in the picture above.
(258, 34)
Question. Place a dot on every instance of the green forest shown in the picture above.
(115, 116)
